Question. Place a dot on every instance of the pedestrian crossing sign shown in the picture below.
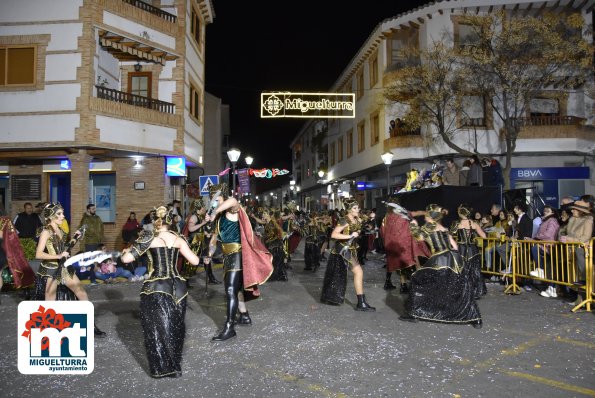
(205, 183)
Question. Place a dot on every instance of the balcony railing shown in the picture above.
(153, 10)
(135, 100)
(402, 132)
(553, 120)
(473, 122)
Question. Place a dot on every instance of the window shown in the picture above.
(468, 37)
(544, 107)
(397, 46)
(195, 27)
(102, 192)
(17, 65)
(361, 136)
(373, 66)
(332, 153)
(349, 143)
(474, 111)
(360, 84)
(195, 103)
(374, 129)
(340, 150)
(139, 83)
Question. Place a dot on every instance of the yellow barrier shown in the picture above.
(547, 261)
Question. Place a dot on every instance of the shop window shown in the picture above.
(102, 192)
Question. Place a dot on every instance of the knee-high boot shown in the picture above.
(233, 283)
(211, 280)
(388, 284)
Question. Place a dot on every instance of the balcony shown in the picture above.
(401, 138)
(554, 127)
(153, 10)
(135, 100)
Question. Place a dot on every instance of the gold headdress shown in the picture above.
(464, 211)
(434, 212)
(348, 203)
(50, 209)
(196, 205)
(213, 189)
(162, 213)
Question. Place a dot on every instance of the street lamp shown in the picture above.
(249, 160)
(387, 158)
(233, 155)
(320, 175)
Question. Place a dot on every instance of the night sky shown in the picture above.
(265, 45)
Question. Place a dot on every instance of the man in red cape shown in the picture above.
(246, 262)
(22, 274)
(402, 251)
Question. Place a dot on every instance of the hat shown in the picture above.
(581, 206)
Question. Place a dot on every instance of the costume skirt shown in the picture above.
(441, 292)
(279, 271)
(63, 293)
(164, 330)
(312, 255)
(472, 260)
(335, 280)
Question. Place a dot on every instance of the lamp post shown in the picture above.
(249, 159)
(320, 175)
(233, 155)
(387, 158)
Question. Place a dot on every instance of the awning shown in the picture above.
(126, 49)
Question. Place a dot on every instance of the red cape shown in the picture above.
(22, 273)
(400, 247)
(257, 262)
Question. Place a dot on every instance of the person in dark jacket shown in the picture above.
(27, 223)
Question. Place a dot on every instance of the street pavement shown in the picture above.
(297, 347)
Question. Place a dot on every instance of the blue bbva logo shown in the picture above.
(56, 337)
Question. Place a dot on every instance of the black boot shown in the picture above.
(362, 305)
(477, 324)
(227, 333)
(211, 280)
(244, 319)
(404, 288)
(388, 285)
(98, 332)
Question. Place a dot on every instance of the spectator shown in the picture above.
(147, 222)
(548, 230)
(464, 172)
(94, 233)
(130, 228)
(477, 216)
(495, 213)
(392, 128)
(27, 223)
(494, 176)
(86, 272)
(524, 228)
(451, 175)
(579, 230)
(475, 176)
(108, 271)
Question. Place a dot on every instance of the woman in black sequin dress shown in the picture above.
(440, 290)
(163, 296)
(466, 231)
(344, 256)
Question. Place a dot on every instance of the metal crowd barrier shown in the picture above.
(550, 261)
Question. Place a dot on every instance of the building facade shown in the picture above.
(95, 97)
(354, 146)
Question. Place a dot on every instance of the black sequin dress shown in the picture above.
(339, 261)
(312, 249)
(273, 240)
(471, 256)
(440, 290)
(54, 269)
(162, 308)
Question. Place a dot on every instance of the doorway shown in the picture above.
(60, 191)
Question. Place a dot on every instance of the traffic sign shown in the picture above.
(205, 183)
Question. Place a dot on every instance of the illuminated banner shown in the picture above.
(310, 105)
(267, 173)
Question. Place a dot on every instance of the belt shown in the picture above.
(229, 248)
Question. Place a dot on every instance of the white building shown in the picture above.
(354, 146)
(94, 97)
